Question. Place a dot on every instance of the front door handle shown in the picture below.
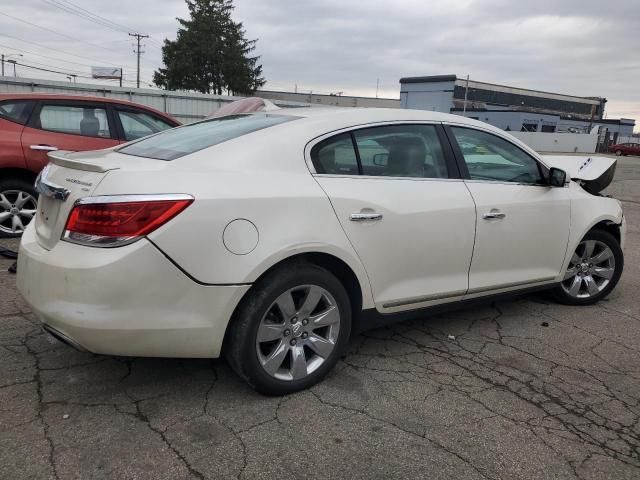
(363, 217)
(44, 148)
(494, 214)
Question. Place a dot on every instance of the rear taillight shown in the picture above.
(113, 221)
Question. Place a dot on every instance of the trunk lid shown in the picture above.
(63, 181)
(594, 173)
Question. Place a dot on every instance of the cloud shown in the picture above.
(579, 47)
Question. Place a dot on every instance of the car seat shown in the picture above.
(89, 125)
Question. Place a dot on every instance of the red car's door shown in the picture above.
(633, 149)
(66, 125)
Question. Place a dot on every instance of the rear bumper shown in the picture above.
(123, 301)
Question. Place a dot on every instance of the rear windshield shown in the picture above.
(181, 141)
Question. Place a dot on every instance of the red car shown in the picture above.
(625, 149)
(33, 124)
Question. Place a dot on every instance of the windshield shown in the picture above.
(181, 141)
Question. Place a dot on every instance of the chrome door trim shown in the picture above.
(460, 293)
(492, 215)
(363, 217)
(504, 182)
(426, 298)
(50, 189)
(510, 285)
(384, 177)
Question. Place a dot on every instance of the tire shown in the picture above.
(618, 153)
(274, 366)
(587, 282)
(18, 199)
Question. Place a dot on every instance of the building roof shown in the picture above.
(474, 84)
(617, 121)
(429, 79)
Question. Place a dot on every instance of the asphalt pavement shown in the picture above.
(522, 388)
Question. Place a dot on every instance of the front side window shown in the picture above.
(489, 157)
(181, 141)
(140, 124)
(401, 151)
(76, 120)
(16, 110)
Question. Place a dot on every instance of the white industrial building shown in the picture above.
(511, 108)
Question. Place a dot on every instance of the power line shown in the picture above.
(85, 14)
(58, 33)
(46, 69)
(81, 12)
(58, 50)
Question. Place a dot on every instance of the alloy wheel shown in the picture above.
(17, 208)
(590, 270)
(298, 332)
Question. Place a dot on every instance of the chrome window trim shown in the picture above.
(314, 141)
(385, 177)
(501, 182)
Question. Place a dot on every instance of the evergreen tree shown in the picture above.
(210, 53)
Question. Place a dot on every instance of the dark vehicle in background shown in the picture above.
(33, 124)
(625, 149)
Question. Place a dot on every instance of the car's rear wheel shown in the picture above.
(18, 203)
(290, 330)
(618, 152)
(594, 270)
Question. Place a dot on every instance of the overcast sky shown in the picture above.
(578, 47)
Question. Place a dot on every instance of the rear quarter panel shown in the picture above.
(264, 182)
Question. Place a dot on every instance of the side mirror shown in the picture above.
(557, 177)
(380, 159)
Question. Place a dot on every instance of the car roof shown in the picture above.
(86, 98)
(342, 117)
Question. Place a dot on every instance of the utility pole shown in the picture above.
(138, 52)
(377, 86)
(3, 64)
(466, 93)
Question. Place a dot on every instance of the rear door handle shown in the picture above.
(44, 148)
(494, 214)
(364, 217)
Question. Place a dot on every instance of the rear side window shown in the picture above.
(16, 110)
(140, 124)
(335, 156)
(384, 151)
(181, 141)
(76, 120)
(401, 151)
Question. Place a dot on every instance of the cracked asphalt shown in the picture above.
(526, 389)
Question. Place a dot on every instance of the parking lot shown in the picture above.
(523, 388)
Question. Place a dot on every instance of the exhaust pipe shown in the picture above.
(64, 339)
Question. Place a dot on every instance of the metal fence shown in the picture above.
(184, 106)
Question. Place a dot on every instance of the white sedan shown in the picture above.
(272, 237)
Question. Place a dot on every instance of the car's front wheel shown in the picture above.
(18, 203)
(618, 153)
(594, 270)
(290, 330)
